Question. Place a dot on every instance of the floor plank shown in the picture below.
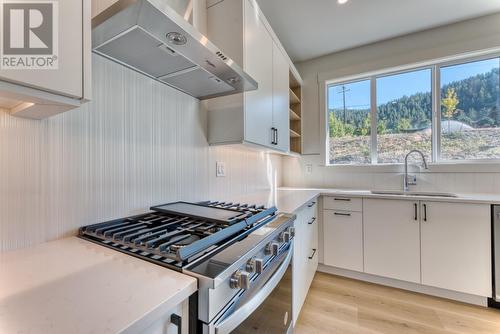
(342, 305)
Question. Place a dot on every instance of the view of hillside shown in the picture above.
(470, 122)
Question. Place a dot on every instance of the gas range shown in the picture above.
(238, 252)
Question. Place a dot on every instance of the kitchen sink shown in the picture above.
(412, 193)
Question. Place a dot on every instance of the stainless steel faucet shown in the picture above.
(406, 180)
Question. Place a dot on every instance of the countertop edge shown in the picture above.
(491, 199)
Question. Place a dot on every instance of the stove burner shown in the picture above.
(177, 239)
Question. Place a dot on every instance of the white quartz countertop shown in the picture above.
(75, 286)
(291, 199)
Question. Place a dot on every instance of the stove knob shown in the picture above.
(281, 237)
(275, 247)
(240, 280)
(250, 265)
(286, 237)
(259, 266)
(267, 250)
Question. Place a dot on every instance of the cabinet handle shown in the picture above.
(416, 211)
(273, 136)
(312, 221)
(425, 212)
(342, 214)
(312, 255)
(277, 137)
(342, 199)
(177, 320)
(311, 205)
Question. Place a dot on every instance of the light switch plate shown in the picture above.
(309, 168)
(220, 169)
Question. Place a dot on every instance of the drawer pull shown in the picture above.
(311, 205)
(176, 320)
(342, 199)
(312, 255)
(312, 221)
(342, 214)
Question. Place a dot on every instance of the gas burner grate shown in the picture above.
(176, 239)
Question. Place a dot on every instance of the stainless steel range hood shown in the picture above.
(150, 37)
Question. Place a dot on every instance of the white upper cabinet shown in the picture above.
(259, 65)
(65, 41)
(259, 117)
(456, 246)
(392, 239)
(281, 115)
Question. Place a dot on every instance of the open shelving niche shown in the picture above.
(295, 115)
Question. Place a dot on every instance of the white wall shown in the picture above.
(138, 143)
(467, 36)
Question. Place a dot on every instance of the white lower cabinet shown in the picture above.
(456, 246)
(343, 239)
(165, 325)
(392, 239)
(438, 244)
(305, 254)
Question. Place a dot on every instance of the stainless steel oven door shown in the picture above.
(267, 307)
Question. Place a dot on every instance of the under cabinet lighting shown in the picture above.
(341, 2)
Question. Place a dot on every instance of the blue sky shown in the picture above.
(396, 86)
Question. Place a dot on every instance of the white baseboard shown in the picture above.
(428, 290)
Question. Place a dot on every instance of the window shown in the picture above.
(470, 115)
(404, 114)
(349, 123)
(461, 121)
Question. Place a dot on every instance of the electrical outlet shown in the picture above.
(309, 168)
(220, 169)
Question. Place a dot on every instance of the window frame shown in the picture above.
(435, 66)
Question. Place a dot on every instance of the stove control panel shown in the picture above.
(242, 278)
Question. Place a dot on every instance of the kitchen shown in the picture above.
(216, 166)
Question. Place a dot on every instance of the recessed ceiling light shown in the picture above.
(341, 2)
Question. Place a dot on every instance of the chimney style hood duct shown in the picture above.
(151, 38)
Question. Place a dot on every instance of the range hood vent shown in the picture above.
(151, 38)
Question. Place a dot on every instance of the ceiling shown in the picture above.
(312, 28)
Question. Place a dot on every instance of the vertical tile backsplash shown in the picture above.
(137, 143)
(452, 180)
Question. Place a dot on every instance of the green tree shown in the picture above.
(450, 103)
(403, 124)
(336, 126)
(366, 127)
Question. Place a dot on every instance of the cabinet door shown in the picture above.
(281, 114)
(456, 246)
(258, 63)
(68, 78)
(343, 239)
(392, 239)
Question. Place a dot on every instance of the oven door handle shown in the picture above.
(243, 312)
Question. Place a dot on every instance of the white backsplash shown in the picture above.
(137, 143)
(471, 181)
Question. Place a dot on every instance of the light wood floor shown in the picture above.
(341, 305)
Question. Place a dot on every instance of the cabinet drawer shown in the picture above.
(342, 203)
(343, 239)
